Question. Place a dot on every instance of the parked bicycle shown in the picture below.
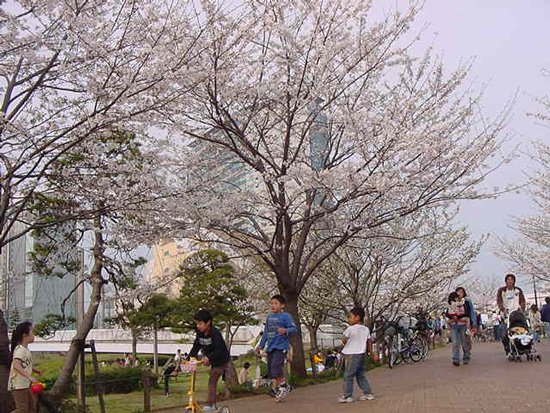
(401, 344)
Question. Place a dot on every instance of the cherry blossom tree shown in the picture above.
(387, 275)
(315, 125)
(71, 70)
(483, 290)
(529, 252)
(113, 177)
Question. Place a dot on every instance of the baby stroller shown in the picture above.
(521, 339)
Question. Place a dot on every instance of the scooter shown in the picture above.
(193, 405)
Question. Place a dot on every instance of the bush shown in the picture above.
(69, 406)
(246, 389)
(322, 377)
(116, 380)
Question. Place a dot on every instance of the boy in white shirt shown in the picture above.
(357, 341)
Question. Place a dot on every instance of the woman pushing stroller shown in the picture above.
(509, 298)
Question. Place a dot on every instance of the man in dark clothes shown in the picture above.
(545, 317)
(167, 373)
(210, 341)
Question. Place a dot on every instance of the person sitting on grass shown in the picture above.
(244, 378)
(210, 342)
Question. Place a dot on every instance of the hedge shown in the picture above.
(114, 379)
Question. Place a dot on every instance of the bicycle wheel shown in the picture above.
(425, 345)
(393, 351)
(416, 350)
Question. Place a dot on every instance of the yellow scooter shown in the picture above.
(193, 405)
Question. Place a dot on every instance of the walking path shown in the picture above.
(489, 384)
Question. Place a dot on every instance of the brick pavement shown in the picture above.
(489, 384)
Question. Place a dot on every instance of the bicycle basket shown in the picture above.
(188, 367)
(406, 322)
(390, 329)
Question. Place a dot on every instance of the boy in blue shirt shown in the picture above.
(278, 326)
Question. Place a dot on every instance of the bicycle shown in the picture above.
(193, 405)
(401, 345)
(425, 336)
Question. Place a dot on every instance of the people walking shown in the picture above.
(535, 321)
(545, 317)
(167, 374)
(458, 317)
(357, 341)
(22, 370)
(509, 298)
(275, 339)
(472, 316)
(210, 342)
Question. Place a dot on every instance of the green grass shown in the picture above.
(51, 364)
(133, 402)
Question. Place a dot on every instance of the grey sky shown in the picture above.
(510, 42)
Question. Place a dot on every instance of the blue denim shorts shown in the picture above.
(275, 362)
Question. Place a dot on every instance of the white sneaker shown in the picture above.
(282, 392)
(364, 397)
(343, 399)
(210, 409)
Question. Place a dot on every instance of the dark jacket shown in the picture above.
(545, 313)
(212, 346)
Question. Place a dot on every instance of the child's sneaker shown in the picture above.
(282, 392)
(368, 396)
(210, 409)
(343, 399)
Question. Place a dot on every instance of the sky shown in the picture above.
(509, 41)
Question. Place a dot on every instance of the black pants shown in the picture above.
(166, 384)
(505, 338)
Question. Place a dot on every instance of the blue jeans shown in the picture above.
(547, 325)
(496, 331)
(355, 369)
(459, 339)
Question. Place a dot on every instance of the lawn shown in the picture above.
(133, 402)
(50, 364)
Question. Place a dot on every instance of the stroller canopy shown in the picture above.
(518, 319)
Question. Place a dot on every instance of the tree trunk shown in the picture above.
(231, 378)
(155, 350)
(298, 362)
(232, 335)
(77, 343)
(5, 361)
(228, 336)
(134, 344)
(312, 330)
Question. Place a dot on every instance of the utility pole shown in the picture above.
(535, 290)
(4, 274)
(80, 366)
